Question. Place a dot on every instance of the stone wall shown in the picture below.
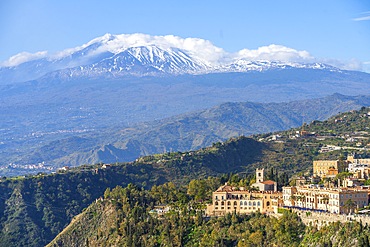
(322, 219)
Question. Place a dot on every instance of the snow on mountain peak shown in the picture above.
(143, 54)
(199, 49)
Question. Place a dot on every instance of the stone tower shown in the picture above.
(259, 175)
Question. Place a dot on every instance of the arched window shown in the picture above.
(222, 203)
(235, 203)
(216, 203)
(241, 203)
(245, 203)
(268, 204)
(228, 203)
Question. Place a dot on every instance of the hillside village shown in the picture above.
(336, 188)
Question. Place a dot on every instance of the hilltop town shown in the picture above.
(336, 187)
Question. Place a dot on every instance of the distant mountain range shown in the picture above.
(114, 56)
(122, 96)
(187, 131)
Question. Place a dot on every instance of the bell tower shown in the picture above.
(259, 175)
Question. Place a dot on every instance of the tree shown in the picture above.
(350, 205)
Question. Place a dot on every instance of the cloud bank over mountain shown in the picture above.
(23, 57)
(198, 48)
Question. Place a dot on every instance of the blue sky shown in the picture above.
(332, 30)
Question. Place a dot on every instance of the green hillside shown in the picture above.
(184, 132)
(34, 209)
(125, 217)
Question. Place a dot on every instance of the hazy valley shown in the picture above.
(119, 104)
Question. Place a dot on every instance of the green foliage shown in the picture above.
(201, 190)
(338, 234)
(133, 225)
(34, 209)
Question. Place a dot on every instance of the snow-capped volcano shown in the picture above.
(141, 55)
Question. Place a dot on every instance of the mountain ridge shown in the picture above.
(142, 55)
(191, 131)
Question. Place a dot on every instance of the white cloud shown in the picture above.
(275, 53)
(352, 64)
(366, 67)
(201, 49)
(365, 17)
(23, 57)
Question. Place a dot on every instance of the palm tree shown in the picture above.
(325, 200)
(292, 199)
(350, 205)
(304, 200)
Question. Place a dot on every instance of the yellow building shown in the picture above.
(334, 200)
(328, 168)
(228, 199)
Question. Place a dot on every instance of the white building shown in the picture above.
(333, 200)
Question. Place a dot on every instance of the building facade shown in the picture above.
(353, 159)
(228, 199)
(359, 171)
(333, 200)
(328, 168)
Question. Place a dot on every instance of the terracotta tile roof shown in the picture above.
(268, 182)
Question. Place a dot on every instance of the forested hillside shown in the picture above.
(125, 217)
(183, 132)
(34, 209)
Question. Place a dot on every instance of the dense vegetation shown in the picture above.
(34, 209)
(338, 234)
(124, 217)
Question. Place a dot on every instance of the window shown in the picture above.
(268, 204)
(245, 203)
(222, 203)
(216, 203)
(216, 197)
(228, 203)
(235, 203)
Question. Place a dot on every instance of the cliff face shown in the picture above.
(90, 228)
